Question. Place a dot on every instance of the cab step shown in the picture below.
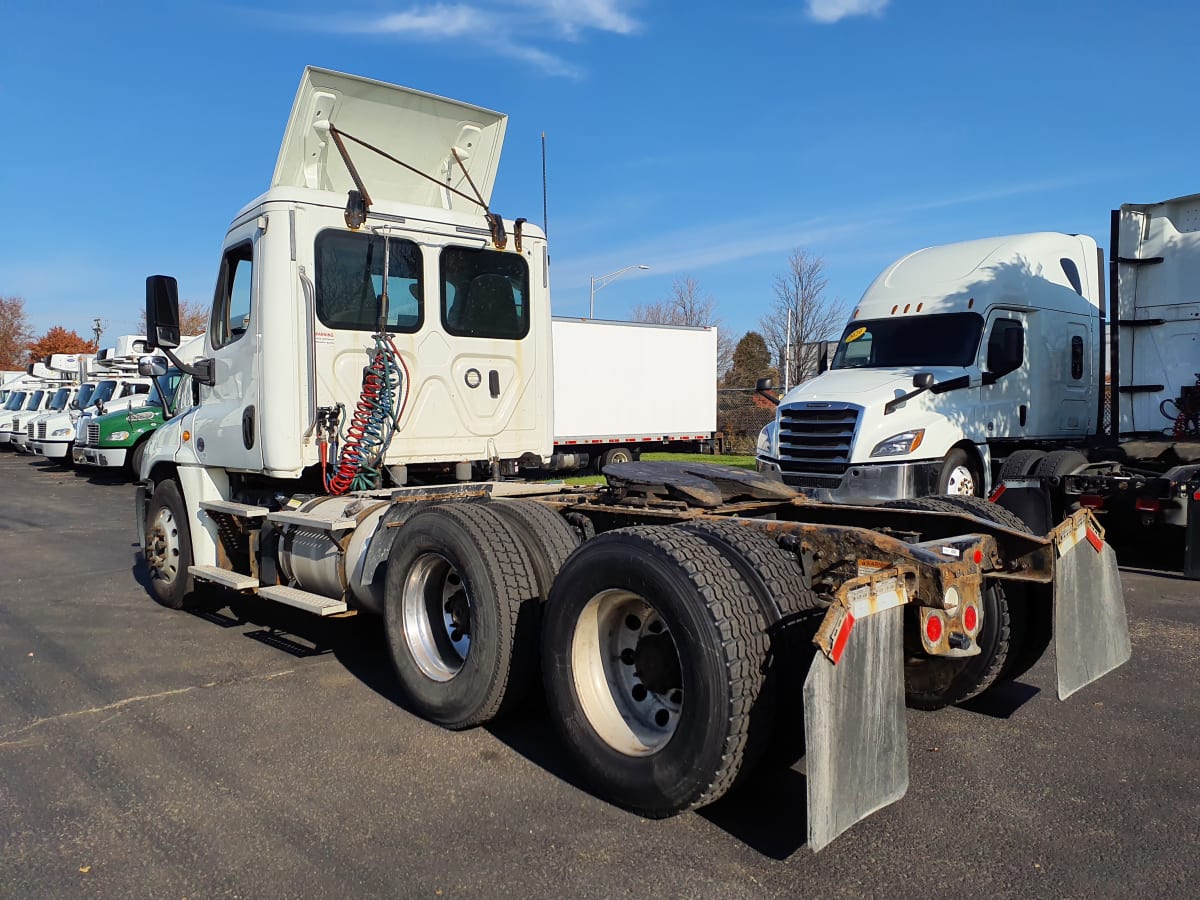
(231, 508)
(311, 521)
(236, 580)
(313, 603)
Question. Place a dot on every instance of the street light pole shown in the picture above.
(601, 281)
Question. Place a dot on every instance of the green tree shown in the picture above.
(751, 361)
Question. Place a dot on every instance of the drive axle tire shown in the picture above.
(167, 545)
(654, 651)
(460, 603)
(1060, 462)
(617, 455)
(545, 535)
(934, 682)
(1019, 464)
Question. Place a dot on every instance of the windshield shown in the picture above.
(15, 399)
(84, 397)
(104, 391)
(171, 380)
(60, 398)
(943, 340)
(35, 401)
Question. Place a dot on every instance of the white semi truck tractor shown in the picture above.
(967, 366)
(378, 370)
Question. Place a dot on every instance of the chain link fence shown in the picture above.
(741, 414)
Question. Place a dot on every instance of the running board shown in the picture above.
(311, 522)
(236, 580)
(230, 508)
(313, 603)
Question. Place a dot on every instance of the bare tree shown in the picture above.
(193, 318)
(15, 334)
(800, 296)
(687, 305)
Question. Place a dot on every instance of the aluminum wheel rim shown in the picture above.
(437, 617)
(961, 481)
(619, 651)
(162, 546)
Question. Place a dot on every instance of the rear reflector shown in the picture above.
(1147, 504)
(1091, 501)
(933, 629)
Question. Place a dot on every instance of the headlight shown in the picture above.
(59, 432)
(118, 436)
(766, 440)
(900, 444)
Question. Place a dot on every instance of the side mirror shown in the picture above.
(823, 358)
(923, 381)
(764, 384)
(162, 312)
(152, 366)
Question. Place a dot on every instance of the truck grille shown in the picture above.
(93, 434)
(41, 432)
(12, 426)
(29, 431)
(816, 439)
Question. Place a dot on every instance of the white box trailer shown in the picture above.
(625, 388)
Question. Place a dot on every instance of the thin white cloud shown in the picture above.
(523, 30)
(829, 11)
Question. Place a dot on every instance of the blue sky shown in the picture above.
(702, 139)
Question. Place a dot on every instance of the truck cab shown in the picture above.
(301, 294)
(954, 355)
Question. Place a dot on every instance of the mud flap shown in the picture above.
(855, 732)
(1091, 634)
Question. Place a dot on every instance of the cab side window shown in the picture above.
(1005, 346)
(231, 303)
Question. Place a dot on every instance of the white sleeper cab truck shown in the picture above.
(952, 356)
(377, 371)
(968, 365)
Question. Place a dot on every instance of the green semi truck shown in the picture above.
(116, 440)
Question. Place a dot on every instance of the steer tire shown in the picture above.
(547, 538)
(463, 557)
(934, 682)
(167, 546)
(1019, 464)
(695, 636)
(959, 460)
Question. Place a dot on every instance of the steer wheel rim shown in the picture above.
(162, 546)
(961, 481)
(627, 672)
(438, 615)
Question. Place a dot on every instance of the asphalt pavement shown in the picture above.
(260, 752)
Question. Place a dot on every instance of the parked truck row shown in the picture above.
(969, 368)
(382, 373)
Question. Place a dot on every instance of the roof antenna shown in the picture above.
(545, 217)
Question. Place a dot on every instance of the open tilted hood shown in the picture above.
(412, 126)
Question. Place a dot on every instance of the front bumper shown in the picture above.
(52, 449)
(861, 484)
(106, 457)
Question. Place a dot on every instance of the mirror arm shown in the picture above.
(201, 370)
(891, 406)
(771, 397)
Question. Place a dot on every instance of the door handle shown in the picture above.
(248, 427)
(494, 383)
